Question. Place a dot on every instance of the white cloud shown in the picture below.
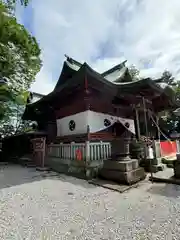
(44, 83)
(104, 32)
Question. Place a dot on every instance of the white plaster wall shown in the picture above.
(80, 121)
(95, 121)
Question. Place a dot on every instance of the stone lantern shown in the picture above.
(121, 168)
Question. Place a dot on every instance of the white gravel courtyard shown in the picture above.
(33, 207)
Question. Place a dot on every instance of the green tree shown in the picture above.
(168, 78)
(6, 96)
(19, 62)
(19, 52)
(11, 120)
(169, 122)
(134, 72)
(11, 4)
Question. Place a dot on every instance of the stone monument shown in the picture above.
(121, 168)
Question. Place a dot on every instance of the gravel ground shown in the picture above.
(33, 207)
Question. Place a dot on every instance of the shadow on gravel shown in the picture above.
(70, 179)
(168, 190)
(14, 174)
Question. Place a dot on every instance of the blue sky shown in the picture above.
(104, 33)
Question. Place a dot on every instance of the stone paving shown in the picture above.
(63, 207)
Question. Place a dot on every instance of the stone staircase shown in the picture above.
(27, 161)
(169, 161)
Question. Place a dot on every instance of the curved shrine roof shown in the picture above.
(74, 74)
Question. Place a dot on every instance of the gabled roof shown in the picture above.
(115, 68)
(71, 78)
(73, 63)
(71, 66)
(38, 94)
(117, 73)
(96, 80)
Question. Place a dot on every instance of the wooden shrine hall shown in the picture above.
(89, 106)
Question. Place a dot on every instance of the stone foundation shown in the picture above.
(121, 168)
(154, 165)
(177, 169)
(126, 172)
(176, 164)
(129, 178)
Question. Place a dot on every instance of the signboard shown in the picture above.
(39, 145)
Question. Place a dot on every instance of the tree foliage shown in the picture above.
(6, 96)
(134, 72)
(19, 52)
(11, 119)
(169, 122)
(19, 64)
(167, 78)
(11, 4)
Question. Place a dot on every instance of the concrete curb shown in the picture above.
(42, 169)
(113, 187)
(3, 163)
(171, 180)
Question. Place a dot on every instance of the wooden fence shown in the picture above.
(89, 151)
(63, 157)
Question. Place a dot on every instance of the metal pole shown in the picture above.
(158, 132)
(147, 134)
(43, 151)
(145, 117)
(137, 124)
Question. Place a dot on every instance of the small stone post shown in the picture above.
(177, 145)
(39, 148)
(87, 159)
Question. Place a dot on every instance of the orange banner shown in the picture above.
(168, 148)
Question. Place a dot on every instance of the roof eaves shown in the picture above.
(61, 87)
(72, 61)
(119, 66)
